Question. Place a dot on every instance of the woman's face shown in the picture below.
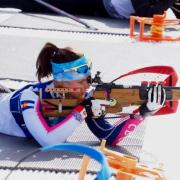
(83, 84)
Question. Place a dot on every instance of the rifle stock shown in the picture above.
(123, 96)
(175, 93)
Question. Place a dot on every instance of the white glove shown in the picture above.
(98, 107)
(156, 98)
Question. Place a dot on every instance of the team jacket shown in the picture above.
(20, 115)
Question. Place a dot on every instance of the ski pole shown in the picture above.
(59, 11)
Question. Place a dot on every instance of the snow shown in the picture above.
(7, 13)
(113, 56)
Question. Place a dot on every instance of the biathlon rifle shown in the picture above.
(119, 96)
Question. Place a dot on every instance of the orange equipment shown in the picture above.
(126, 167)
(157, 27)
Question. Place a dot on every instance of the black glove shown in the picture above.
(144, 111)
(87, 105)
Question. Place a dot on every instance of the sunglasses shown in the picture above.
(81, 69)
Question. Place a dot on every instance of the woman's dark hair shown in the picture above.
(49, 53)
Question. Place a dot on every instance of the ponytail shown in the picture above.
(49, 53)
(43, 64)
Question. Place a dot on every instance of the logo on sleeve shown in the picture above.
(78, 116)
(27, 104)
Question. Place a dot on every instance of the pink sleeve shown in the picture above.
(129, 126)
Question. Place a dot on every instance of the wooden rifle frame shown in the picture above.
(121, 96)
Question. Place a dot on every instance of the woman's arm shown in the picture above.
(39, 128)
(102, 129)
(115, 133)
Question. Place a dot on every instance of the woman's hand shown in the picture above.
(156, 97)
(156, 100)
(95, 107)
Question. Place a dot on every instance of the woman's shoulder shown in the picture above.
(34, 89)
(29, 94)
(41, 85)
